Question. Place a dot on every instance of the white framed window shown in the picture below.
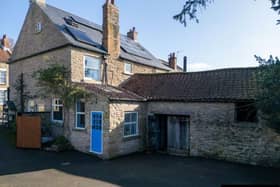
(3, 76)
(31, 106)
(130, 124)
(92, 66)
(3, 96)
(80, 114)
(57, 110)
(128, 68)
(38, 27)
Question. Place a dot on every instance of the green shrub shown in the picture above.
(62, 144)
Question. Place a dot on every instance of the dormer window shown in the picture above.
(38, 28)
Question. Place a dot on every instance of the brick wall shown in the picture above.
(215, 134)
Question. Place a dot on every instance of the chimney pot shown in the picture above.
(42, 2)
(173, 61)
(132, 34)
(185, 64)
(5, 41)
(110, 2)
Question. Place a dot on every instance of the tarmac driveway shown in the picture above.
(38, 168)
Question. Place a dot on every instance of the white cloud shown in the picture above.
(198, 67)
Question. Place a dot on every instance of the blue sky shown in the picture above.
(229, 34)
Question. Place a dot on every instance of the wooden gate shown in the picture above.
(28, 132)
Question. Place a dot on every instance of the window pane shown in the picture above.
(80, 120)
(126, 130)
(92, 68)
(128, 68)
(58, 115)
(127, 117)
(80, 106)
(92, 74)
(92, 63)
(2, 96)
(133, 117)
(133, 129)
(3, 77)
(130, 124)
(57, 110)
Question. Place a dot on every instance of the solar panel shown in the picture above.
(86, 23)
(134, 49)
(81, 37)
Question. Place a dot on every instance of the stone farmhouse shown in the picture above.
(138, 101)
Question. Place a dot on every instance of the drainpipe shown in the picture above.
(105, 70)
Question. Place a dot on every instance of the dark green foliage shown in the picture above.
(268, 96)
(276, 7)
(62, 144)
(56, 82)
(191, 7)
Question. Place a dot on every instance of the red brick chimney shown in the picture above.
(5, 44)
(41, 2)
(132, 34)
(173, 61)
(5, 41)
(111, 28)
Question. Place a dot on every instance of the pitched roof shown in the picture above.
(89, 35)
(225, 85)
(112, 93)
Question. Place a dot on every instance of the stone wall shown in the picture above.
(117, 144)
(80, 138)
(31, 65)
(116, 74)
(114, 144)
(30, 42)
(215, 134)
(115, 70)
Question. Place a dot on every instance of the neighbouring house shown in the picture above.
(5, 54)
(139, 102)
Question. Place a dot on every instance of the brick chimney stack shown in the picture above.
(41, 2)
(132, 34)
(111, 28)
(5, 42)
(173, 61)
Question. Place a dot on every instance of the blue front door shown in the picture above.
(96, 145)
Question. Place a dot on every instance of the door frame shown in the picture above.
(91, 151)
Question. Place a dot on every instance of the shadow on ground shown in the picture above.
(133, 170)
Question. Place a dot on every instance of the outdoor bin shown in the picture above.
(28, 132)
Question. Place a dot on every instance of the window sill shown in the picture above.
(91, 81)
(79, 129)
(129, 74)
(130, 138)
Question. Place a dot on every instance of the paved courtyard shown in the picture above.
(38, 168)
